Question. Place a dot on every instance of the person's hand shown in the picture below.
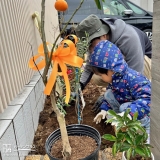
(101, 115)
(96, 107)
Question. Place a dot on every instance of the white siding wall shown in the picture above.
(17, 29)
(21, 89)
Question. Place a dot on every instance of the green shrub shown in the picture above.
(130, 136)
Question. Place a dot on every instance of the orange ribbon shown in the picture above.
(66, 53)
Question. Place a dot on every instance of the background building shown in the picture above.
(145, 4)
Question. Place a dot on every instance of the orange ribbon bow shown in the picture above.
(66, 53)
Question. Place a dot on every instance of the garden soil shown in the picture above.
(48, 121)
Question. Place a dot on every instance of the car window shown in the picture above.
(88, 7)
(136, 9)
(113, 7)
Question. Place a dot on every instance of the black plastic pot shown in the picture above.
(75, 130)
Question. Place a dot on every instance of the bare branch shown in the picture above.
(34, 61)
(44, 43)
(54, 44)
(37, 22)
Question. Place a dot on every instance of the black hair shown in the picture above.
(94, 39)
(97, 70)
(90, 43)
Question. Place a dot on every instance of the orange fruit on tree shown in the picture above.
(61, 5)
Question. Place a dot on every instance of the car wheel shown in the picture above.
(148, 33)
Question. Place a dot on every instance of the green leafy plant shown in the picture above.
(130, 136)
(74, 74)
(98, 3)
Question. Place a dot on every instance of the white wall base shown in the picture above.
(19, 121)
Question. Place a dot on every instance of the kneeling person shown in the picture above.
(127, 88)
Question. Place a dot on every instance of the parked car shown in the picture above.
(122, 9)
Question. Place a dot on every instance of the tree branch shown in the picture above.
(34, 61)
(44, 44)
(37, 22)
(54, 44)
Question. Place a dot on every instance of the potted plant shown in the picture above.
(130, 137)
(57, 59)
(74, 129)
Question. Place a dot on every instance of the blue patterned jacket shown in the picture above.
(127, 84)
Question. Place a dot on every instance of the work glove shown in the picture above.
(73, 94)
(101, 115)
(120, 114)
(96, 107)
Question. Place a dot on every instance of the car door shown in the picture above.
(143, 18)
(114, 9)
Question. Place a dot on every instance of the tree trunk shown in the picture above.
(62, 124)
